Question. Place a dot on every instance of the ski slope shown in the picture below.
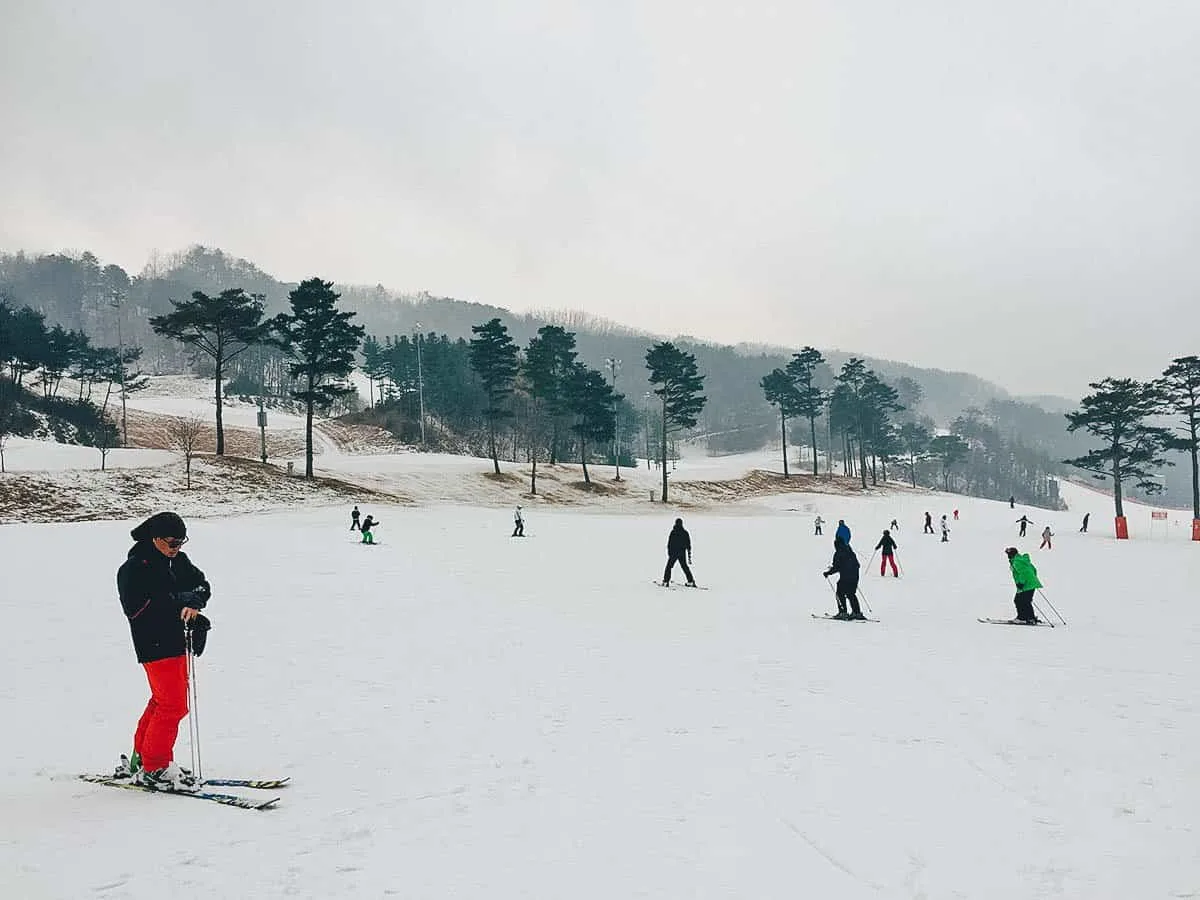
(468, 715)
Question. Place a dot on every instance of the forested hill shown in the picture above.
(78, 291)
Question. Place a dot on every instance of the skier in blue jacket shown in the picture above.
(843, 532)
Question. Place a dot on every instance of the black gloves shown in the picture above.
(199, 627)
(196, 599)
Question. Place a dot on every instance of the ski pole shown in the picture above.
(899, 564)
(193, 713)
(871, 561)
(1045, 618)
(863, 598)
(1051, 605)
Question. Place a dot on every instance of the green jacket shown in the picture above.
(1023, 572)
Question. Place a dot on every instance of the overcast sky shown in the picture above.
(1007, 188)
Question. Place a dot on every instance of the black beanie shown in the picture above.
(160, 525)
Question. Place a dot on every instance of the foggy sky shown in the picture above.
(1006, 188)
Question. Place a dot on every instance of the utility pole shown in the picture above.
(420, 382)
(613, 365)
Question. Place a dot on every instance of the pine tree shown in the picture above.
(915, 439)
(678, 384)
(802, 369)
(853, 378)
(323, 344)
(222, 327)
(1116, 413)
(1180, 387)
(549, 361)
(951, 450)
(590, 399)
(493, 356)
(782, 393)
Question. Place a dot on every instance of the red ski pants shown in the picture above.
(158, 727)
(884, 560)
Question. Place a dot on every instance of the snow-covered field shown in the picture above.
(468, 715)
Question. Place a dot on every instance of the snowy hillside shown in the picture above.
(464, 714)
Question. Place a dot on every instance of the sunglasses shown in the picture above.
(174, 543)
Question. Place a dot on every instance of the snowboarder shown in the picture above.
(1083, 527)
(679, 545)
(817, 523)
(843, 532)
(161, 594)
(1024, 522)
(1012, 502)
(945, 531)
(518, 523)
(928, 524)
(354, 514)
(1026, 579)
(1046, 535)
(888, 545)
(845, 563)
(367, 525)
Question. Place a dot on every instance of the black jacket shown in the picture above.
(845, 563)
(679, 541)
(154, 590)
(886, 544)
(368, 523)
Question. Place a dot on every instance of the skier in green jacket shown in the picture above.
(1026, 579)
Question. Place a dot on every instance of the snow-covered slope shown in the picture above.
(469, 715)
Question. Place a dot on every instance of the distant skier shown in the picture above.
(895, 525)
(956, 515)
(928, 524)
(843, 532)
(1024, 522)
(162, 594)
(354, 514)
(887, 545)
(1026, 579)
(1012, 502)
(1046, 535)
(679, 550)
(368, 525)
(845, 563)
(945, 531)
(1083, 527)
(518, 523)
(817, 523)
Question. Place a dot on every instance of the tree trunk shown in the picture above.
(812, 424)
(1195, 474)
(783, 430)
(492, 444)
(912, 468)
(308, 425)
(663, 457)
(533, 475)
(188, 457)
(220, 421)
(583, 460)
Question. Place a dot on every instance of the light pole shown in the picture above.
(262, 413)
(420, 382)
(613, 365)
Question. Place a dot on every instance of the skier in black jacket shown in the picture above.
(679, 546)
(162, 594)
(888, 545)
(845, 563)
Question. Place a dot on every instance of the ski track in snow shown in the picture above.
(464, 715)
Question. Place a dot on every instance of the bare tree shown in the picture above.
(186, 435)
(3, 441)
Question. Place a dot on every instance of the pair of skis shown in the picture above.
(262, 784)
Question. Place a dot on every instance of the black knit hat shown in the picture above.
(160, 525)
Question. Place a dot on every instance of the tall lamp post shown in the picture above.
(613, 365)
(420, 382)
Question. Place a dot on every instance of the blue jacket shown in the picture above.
(843, 532)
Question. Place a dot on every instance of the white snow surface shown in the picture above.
(464, 714)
